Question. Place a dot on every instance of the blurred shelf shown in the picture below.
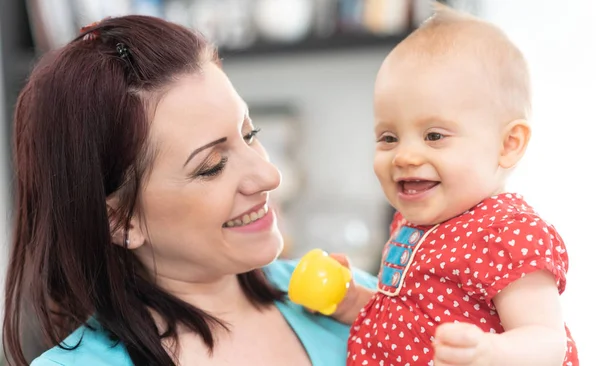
(313, 45)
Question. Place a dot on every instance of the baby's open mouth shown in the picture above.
(411, 187)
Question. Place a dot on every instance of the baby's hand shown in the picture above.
(350, 294)
(356, 297)
(461, 344)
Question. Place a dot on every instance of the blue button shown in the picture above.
(397, 255)
(409, 236)
(390, 276)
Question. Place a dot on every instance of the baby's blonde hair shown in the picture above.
(449, 33)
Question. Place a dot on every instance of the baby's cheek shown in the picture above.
(380, 167)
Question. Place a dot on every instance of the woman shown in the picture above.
(142, 216)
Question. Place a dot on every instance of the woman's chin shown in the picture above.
(264, 253)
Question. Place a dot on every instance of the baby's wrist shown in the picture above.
(490, 350)
(356, 298)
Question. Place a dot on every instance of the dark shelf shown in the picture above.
(313, 45)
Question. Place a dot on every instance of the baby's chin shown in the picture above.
(419, 221)
(421, 218)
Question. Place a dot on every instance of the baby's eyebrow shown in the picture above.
(379, 125)
(437, 120)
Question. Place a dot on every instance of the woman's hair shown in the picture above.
(81, 135)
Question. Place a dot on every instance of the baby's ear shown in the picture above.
(515, 138)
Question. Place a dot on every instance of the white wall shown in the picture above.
(557, 175)
(333, 93)
(4, 150)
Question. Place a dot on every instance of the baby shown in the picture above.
(471, 274)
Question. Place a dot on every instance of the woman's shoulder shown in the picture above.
(280, 271)
(94, 347)
(314, 330)
(88, 345)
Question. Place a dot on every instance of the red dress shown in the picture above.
(451, 272)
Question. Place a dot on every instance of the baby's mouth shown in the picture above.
(412, 187)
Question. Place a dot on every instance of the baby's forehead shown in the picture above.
(476, 53)
(473, 41)
(439, 89)
(450, 73)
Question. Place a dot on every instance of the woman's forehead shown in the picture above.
(198, 100)
(197, 109)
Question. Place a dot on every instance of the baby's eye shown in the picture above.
(434, 136)
(388, 139)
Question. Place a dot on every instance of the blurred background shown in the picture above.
(307, 68)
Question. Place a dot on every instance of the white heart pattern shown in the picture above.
(462, 261)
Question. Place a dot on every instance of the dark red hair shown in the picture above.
(81, 135)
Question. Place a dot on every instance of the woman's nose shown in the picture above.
(260, 174)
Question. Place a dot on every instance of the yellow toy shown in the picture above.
(319, 282)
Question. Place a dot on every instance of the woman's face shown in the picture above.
(205, 204)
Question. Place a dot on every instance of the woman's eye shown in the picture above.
(434, 136)
(249, 137)
(388, 139)
(212, 171)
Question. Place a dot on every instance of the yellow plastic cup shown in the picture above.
(319, 282)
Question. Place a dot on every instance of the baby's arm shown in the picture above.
(357, 297)
(531, 314)
(530, 311)
(521, 271)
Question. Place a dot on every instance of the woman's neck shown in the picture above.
(223, 297)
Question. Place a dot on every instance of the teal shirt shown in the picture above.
(324, 339)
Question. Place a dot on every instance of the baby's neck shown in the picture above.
(500, 190)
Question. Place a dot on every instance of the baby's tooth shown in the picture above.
(246, 219)
(253, 216)
(261, 213)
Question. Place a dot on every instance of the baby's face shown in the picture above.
(438, 139)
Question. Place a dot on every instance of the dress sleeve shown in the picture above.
(508, 250)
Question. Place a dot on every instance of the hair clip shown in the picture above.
(90, 35)
(125, 54)
(123, 51)
(94, 34)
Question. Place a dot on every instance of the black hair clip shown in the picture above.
(123, 51)
(125, 54)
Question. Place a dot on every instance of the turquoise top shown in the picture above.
(324, 339)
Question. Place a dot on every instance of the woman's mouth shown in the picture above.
(248, 217)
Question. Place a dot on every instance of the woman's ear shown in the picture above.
(515, 138)
(129, 236)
